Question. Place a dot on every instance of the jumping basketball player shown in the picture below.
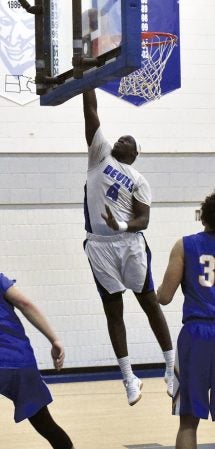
(117, 206)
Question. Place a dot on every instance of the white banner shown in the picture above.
(17, 53)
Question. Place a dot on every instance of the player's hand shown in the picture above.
(58, 355)
(110, 219)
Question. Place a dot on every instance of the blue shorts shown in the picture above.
(27, 390)
(194, 383)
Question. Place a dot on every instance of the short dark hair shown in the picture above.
(208, 211)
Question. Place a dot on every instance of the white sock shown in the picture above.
(125, 368)
(169, 357)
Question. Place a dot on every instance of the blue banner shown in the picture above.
(161, 16)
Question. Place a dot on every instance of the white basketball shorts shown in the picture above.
(118, 262)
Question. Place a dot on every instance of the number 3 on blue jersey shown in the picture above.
(113, 191)
(208, 279)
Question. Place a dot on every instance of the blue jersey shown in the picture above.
(198, 283)
(15, 348)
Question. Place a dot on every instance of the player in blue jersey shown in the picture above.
(117, 207)
(192, 264)
(20, 380)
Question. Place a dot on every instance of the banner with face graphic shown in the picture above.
(17, 53)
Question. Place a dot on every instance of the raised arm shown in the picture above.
(33, 314)
(92, 122)
(173, 275)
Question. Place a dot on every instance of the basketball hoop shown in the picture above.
(146, 81)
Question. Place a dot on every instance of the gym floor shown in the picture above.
(96, 416)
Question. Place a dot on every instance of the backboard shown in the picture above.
(160, 65)
(83, 44)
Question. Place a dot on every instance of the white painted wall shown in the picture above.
(41, 247)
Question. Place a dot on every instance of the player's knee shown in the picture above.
(57, 438)
(109, 298)
(149, 302)
(188, 422)
(114, 310)
(48, 429)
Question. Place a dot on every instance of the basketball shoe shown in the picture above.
(133, 388)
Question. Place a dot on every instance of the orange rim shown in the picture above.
(151, 34)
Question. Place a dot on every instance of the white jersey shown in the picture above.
(113, 183)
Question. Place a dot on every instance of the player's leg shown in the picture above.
(44, 424)
(109, 279)
(186, 437)
(194, 353)
(148, 302)
(137, 275)
(31, 396)
(113, 308)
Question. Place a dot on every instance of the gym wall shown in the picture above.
(43, 162)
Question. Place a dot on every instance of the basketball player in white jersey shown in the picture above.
(117, 206)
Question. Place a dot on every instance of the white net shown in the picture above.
(146, 81)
